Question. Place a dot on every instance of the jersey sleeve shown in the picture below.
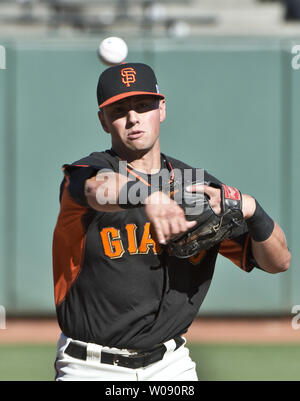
(77, 177)
(239, 251)
(78, 172)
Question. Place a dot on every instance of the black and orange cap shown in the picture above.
(124, 80)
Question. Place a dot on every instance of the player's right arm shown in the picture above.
(102, 193)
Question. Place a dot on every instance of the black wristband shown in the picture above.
(133, 194)
(260, 225)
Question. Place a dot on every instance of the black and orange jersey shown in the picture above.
(114, 284)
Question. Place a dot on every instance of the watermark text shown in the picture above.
(2, 318)
(296, 58)
(139, 188)
(296, 318)
(2, 58)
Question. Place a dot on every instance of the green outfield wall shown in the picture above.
(232, 108)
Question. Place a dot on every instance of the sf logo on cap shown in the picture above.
(128, 76)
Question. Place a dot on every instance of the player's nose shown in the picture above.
(132, 117)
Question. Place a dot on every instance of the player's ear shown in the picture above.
(162, 110)
(102, 121)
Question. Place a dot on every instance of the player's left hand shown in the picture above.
(214, 196)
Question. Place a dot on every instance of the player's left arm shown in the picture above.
(271, 254)
(268, 242)
(269, 246)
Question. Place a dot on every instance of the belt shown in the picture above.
(135, 361)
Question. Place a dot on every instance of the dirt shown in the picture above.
(209, 330)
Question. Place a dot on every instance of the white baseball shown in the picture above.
(112, 51)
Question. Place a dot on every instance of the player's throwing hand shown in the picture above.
(166, 217)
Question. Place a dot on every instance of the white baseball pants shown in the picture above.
(176, 365)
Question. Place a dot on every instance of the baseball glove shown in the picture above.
(211, 228)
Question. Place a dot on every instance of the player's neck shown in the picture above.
(146, 162)
(147, 165)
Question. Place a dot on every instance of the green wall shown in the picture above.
(294, 195)
(231, 108)
(3, 77)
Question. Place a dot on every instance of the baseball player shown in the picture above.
(123, 300)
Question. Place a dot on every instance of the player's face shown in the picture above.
(134, 122)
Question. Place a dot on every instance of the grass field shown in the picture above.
(247, 362)
(221, 362)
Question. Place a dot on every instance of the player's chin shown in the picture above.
(138, 144)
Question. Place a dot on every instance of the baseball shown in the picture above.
(112, 51)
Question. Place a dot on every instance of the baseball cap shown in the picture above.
(124, 80)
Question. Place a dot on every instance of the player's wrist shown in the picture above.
(248, 206)
(260, 224)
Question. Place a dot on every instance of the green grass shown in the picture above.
(27, 362)
(214, 362)
(247, 362)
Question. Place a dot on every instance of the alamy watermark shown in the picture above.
(2, 58)
(296, 58)
(2, 318)
(296, 318)
(172, 182)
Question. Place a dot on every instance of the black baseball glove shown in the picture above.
(211, 228)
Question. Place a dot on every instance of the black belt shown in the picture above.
(135, 361)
